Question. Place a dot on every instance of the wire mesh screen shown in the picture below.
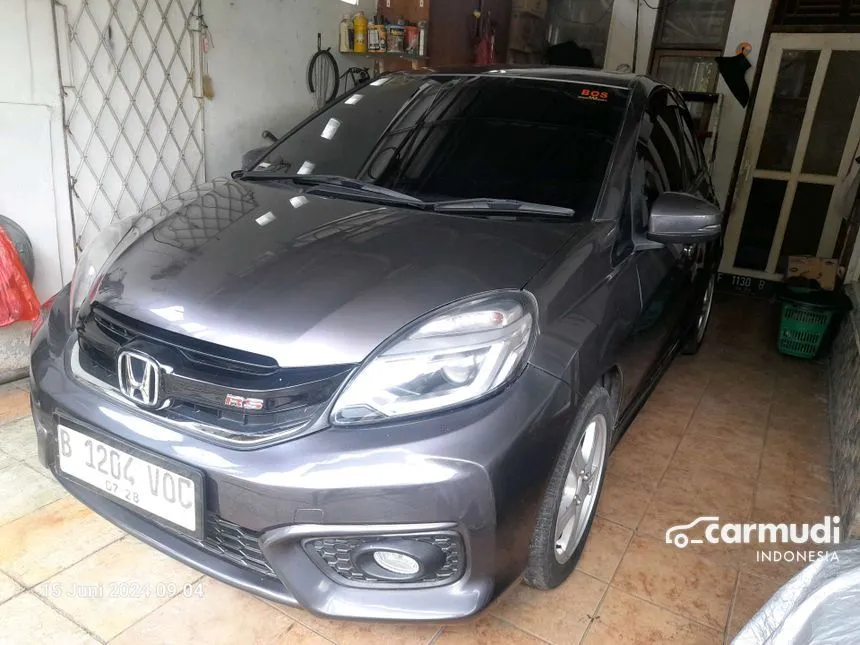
(134, 119)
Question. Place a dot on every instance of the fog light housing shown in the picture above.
(406, 560)
(399, 563)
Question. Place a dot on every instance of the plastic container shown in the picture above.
(396, 35)
(376, 35)
(412, 37)
(346, 34)
(359, 23)
(805, 320)
(422, 38)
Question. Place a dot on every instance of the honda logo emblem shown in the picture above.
(139, 378)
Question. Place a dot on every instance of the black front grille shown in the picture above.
(203, 354)
(200, 379)
(236, 544)
(337, 554)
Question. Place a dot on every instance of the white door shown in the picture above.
(133, 109)
(799, 157)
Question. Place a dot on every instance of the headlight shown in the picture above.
(461, 353)
(93, 260)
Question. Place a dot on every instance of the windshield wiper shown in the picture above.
(328, 181)
(491, 206)
(333, 183)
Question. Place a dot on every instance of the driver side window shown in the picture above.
(658, 158)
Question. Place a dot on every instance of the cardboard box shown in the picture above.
(534, 7)
(821, 269)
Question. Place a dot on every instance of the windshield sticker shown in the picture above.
(593, 95)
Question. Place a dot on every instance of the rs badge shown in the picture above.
(243, 403)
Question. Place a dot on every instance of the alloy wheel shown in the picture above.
(580, 488)
(705, 313)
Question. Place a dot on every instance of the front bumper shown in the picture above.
(478, 472)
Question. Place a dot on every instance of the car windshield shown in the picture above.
(444, 138)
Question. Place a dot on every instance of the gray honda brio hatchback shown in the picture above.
(378, 372)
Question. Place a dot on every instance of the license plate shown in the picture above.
(143, 482)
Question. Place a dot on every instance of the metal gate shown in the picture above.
(133, 106)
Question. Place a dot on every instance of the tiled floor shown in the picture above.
(737, 431)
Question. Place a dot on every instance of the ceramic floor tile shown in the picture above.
(25, 619)
(735, 457)
(24, 490)
(793, 388)
(753, 591)
(485, 631)
(6, 460)
(777, 504)
(539, 612)
(18, 439)
(626, 620)
(655, 431)
(726, 427)
(677, 402)
(804, 417)
(117, 586)
(220, 614)
(815, 449)
(798, 476)
(355, 633)
(677, 580)
(690, 490)
(743, 405)
(41, 544)
(14, 403)
(606, 544)
(623, 502)
(689, 372)
(744, 381)
(640, 466)
(8, 588)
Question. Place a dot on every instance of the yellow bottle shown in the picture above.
(359, 22)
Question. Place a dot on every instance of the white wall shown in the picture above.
(258, 67)
(622, 34)
(33, 188)
(747, 25)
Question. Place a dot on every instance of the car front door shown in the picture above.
(664, 271)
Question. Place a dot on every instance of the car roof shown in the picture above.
(551, 73)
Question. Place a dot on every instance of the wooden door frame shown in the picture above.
(751, 147)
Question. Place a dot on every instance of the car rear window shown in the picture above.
(442, 137)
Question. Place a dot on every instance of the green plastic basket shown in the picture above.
(802, 328)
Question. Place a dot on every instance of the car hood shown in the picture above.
(310, 280)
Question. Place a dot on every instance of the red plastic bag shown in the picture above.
(17, 299)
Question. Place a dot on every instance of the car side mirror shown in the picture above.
(680, 218)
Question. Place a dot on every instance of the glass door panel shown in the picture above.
(834, 113)
(796, 71)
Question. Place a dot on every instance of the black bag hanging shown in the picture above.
(733, 69)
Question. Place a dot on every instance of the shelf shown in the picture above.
(387, 55)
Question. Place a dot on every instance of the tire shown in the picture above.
(550, 564)
(697, 332)
(324, 64)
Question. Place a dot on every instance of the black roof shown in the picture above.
(574, 74)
